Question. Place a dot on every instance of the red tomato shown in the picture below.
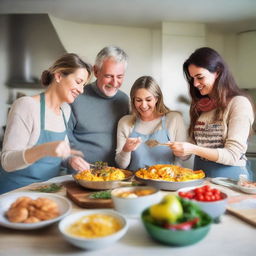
(215, 191)
(204, 193)
(206, 188)
(182, 194)
(200, 198)
(199, 190)
(207, 198)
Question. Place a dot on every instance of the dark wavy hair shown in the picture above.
(225, 87)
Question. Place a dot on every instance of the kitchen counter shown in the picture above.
(231, 236)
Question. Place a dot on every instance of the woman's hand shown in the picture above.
(181, 149)
(131, 144)
(61, 149)
(53, 149)
(76, 161)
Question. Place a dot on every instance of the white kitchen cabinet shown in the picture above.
(247, 59)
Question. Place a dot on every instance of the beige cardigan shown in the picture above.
(23, 130)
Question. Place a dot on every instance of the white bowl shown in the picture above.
(213, 208)
(133, 207)
(6, 200)
(92, 243)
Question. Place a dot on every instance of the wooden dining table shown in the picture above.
(231, 236)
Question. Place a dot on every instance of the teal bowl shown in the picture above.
(174, 237)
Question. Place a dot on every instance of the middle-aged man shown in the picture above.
(93, 122)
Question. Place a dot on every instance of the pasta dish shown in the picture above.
(105, 174)
(167, 172)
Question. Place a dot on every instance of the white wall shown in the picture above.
(247, 59)
(179, 40)
(4, 92)
(87, 40)
(226, 45)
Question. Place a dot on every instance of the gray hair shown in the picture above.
(114, 52)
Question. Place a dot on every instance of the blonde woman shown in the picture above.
(35, 140)
(150, 119)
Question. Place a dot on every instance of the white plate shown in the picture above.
(232, 184)
(60, 179)
(247, 189)
(6, 201)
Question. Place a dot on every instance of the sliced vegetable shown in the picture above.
(182, 226)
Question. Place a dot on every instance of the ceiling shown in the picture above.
(226, 15)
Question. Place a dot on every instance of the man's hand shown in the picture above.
(78, 163)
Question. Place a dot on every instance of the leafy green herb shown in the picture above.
(98, 165)
(101, 194)
(48, 188)
(192, 211)
(100, 169)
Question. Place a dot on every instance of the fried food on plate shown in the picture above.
(27, 210)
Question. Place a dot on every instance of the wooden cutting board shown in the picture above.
(81, 196)
(244, 207)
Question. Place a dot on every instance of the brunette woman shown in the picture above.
(221, 117)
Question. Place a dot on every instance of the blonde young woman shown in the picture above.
(35, 140)
(150, 119)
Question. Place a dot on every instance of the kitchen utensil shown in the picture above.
(244, 207)
(82, 197)
(154, 143)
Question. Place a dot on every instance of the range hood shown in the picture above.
(33, 45)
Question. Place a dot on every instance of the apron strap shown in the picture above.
(64, 118)
(163, 122)
(42, 110)
(164, 127)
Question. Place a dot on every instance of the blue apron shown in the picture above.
(213, 169)
(41, 170)
(145, 156)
